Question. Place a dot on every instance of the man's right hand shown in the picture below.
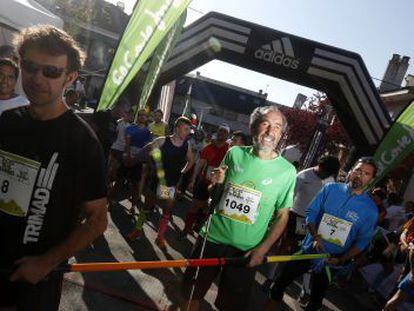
(218, 175)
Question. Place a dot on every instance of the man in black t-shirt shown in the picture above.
(51, 172)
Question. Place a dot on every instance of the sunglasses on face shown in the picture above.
(49, 71)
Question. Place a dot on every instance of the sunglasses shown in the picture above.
(49, 71)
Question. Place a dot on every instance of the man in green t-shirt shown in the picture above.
(257, 183)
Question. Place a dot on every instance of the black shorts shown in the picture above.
(201, 191)
(235, 282)
(131, 172)
(44, 296)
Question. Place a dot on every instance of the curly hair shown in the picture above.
(52, 41)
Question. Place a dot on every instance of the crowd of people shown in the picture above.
(57, 174)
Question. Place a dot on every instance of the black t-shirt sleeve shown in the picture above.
(93, 178)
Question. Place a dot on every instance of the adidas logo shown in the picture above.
(279, 52)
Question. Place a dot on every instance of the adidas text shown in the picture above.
(278, 59)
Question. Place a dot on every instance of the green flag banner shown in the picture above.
(148, 25)
(160, 56)
(397, 144)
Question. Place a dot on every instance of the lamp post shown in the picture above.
(316, 142)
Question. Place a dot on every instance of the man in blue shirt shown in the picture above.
(340, 220)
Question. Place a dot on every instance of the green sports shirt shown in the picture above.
(253, 190)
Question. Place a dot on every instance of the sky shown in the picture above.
(375, 29)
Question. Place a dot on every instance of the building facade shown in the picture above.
(215, 102)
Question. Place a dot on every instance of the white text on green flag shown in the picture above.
(397, 144)
(148, 25)
(160, 56)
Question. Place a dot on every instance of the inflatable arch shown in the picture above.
(341, 74)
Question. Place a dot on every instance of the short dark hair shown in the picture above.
(11, 63)
(369, 161)
(160, 111)
(52, 41)
(182, 120)
(142, 111)
(329, 164)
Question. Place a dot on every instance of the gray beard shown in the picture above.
(260, 147)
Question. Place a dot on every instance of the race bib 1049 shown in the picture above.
(17, 179)
(334, 230)
(240, 203)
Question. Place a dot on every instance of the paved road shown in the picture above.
(157, 289)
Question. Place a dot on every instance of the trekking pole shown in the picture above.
(216, 193)
(166, 264)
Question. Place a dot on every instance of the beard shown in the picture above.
(355, 183)
(265, 147)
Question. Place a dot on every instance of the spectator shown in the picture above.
(158, 127)
(395, 212)
(9, 72)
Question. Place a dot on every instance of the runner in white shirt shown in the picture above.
(117, 149)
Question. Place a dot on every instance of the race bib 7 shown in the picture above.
(334, 230)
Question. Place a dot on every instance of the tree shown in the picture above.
(302, 124)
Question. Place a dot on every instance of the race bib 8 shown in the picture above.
(334, 230)
(17, 179)
(240, 203)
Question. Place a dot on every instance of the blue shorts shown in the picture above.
(407, 286)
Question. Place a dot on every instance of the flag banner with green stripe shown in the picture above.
(397, 144)
(149, 24)
(160, 56)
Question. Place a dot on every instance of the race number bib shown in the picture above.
(334, 230)
(164, 192)
(300, 226)
(240, 203)
(17, 179)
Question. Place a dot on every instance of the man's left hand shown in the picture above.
(257, 256)
(31, 269)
